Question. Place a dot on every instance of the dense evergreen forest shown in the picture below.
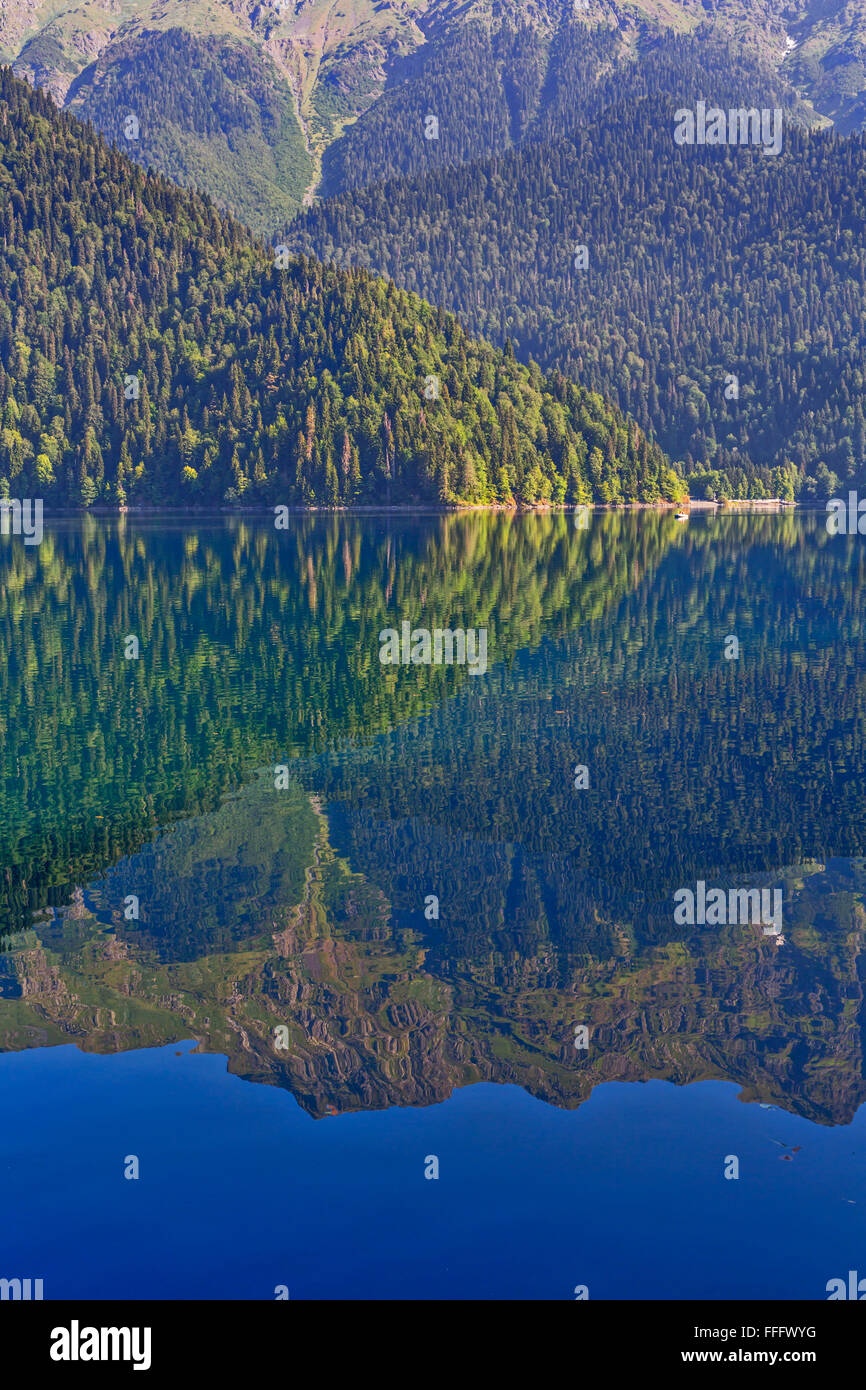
(723, 303)
(483, 87)
(492, 90)
(151, 350)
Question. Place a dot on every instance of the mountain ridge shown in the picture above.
(334, 59)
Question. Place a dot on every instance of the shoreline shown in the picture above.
(438, 509)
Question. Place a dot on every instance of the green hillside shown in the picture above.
(722, 299)
(152, 351)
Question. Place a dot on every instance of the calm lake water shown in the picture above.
(288, 929)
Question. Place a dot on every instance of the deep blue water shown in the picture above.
(240, 1191)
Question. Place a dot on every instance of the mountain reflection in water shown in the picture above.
(303, 909)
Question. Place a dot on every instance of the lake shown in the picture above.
(329, 976)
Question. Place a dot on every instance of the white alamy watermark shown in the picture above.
(21, 1290)
(738, 126)
(855, 1288)
(737, 906)
(422, 647)
(846, 518)
(23, 518)
(76, 1343)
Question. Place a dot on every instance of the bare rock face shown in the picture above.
(18, 18)
(39, 76)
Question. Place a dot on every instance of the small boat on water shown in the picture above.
(681, 516)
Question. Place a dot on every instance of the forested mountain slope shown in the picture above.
(478, 92)
(152, 350)
(250, 99)
(723, 302)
